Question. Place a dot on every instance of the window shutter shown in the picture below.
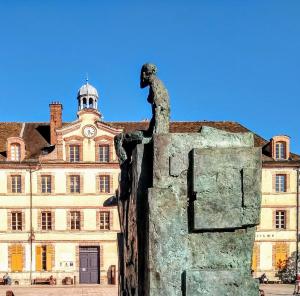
(9, 220)
(274, 182)
(111, 219)
(19, 257)
(39, 221)
(23, 221)
(16, 258)
(111, 183)
(49, 254)
(9, 187)
(38, 258)
(287, 182)
(280, 255)
(111, 149)
(68, 220)
(14, 263)
(255, 257)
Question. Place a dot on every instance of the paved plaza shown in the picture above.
(82, 290)
(277, 290)
(92, 290)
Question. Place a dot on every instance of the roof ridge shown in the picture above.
(176, 121)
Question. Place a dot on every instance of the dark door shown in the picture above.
(89, 265)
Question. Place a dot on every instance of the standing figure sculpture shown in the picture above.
(125, 142)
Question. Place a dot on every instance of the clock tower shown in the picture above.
(88, 113)
(87, 98)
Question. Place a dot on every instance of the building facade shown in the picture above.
(57, 183)
(58, 214)
(276, 236)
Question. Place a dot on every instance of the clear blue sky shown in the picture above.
(220, 60)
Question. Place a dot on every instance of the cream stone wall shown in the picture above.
(110, 251)
(3, 220)
(266, 256)
(4, 259)
(90, 219)
(65, 242)
(3, 183)
(267, 235)
(66, 256)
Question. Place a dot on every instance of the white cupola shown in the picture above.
(87, 97)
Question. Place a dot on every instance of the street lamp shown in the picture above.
(31, 235)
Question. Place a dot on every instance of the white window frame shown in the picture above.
(280, 183)
(16, 184)
(74, 183)
(46, 184)
(15, 152)
(280, 150)
(75, 220)
(104, 222)
(74, 153)
(104, 183)
(104, 151)
(16, 220)
(46, 223)
(280, 219)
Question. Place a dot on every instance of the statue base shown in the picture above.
(188, 226)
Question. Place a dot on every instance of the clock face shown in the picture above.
(89, 131)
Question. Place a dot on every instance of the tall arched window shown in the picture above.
(91, 103)
(280, 150)
(84, 103)
(15, 152)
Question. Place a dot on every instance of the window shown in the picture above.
(16, 253)
(15, 152)
(46, 220)
(75, 220)
(280, 150)
(75, 184)
(280, 184)
(16, 221)
(280, 219)
(46, 184)
(44, 255)
(104, 184)
(104, 220)
(104, 153)
(74, 153)
(16, 184)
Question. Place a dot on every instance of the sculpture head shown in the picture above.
(147, 71)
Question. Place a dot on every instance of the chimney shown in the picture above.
(55, 120)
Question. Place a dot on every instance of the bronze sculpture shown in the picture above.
(159, 99)
(159, 124)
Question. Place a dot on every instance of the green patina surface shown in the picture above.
(189, 224)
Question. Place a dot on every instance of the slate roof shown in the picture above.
(191, 127)
(36, 135)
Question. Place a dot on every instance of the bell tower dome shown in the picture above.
(87, 97)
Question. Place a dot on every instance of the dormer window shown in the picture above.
(15, 148)
(280, 150)
(15, 152)
(280, 147)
